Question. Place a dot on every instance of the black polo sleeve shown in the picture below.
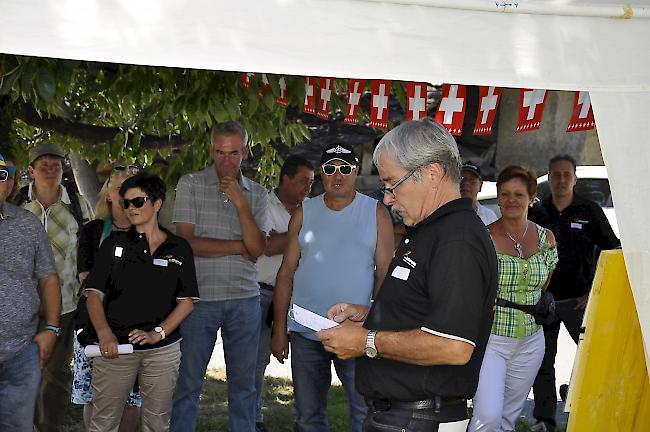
(187, 286)
(458, 284)
(603, 234)
(88, 244)
(100, 275)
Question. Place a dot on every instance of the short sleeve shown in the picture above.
(187, 286)
(459, 284)
(44, 257)
(261, 213)
(551, 258)
(100, 274)
(185, 204)
(88, 245)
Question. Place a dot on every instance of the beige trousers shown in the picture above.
(113, 379)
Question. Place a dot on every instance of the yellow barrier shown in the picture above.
(610, 389)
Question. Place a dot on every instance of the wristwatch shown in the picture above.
(161, 331)
(53, 328)
(371, 349)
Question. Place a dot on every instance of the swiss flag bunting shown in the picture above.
(245, 78)
(310, 95)
(488, 101)
(416, 100)
(451, 112)
(379, 104)
(266, 86)
(283, 99)
(531, 109)
(325, 100)
(355, 91)
(583, 116)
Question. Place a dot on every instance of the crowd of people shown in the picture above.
(459, 308)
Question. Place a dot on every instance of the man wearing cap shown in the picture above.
(28, 283)
(51, 202)
(471, 183)
(339, 246)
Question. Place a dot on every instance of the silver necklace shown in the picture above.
(518, 246)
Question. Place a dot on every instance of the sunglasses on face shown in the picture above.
(343, 169)
(131, 169)
(4, 175)
(137, 202)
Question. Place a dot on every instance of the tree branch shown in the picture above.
(92, 134)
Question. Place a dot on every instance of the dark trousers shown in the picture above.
(544, 386)
(412, 420)
(56, 381)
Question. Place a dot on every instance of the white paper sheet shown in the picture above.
(311, 320)
(93, 350)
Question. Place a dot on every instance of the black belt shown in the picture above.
(435, 403)
(266, 286)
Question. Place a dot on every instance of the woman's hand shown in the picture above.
(108, 345)
(142, 337)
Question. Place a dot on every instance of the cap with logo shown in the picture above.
(339, 151)
(3, 166)
(473, 168)
(45, 149)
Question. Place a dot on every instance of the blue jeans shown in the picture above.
(263, 351)
(312, 375)
(20, 377)
(239, 321)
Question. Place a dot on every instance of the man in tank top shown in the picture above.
(340, 244)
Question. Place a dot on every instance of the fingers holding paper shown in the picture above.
(341, 312)
(346, 341)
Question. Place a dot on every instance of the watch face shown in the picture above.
(157, 329)
(371, 352)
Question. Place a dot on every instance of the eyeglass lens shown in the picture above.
(137, 202)
(343, 169)
(4, 175)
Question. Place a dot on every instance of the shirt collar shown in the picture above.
(213, 179)
(457, 205)
(8, 210)
(63, 195)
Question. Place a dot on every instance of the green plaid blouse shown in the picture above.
(521, 281)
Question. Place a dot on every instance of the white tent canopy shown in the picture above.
(594, 45)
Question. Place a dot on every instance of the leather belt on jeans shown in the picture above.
(435, 403)
(266, 286)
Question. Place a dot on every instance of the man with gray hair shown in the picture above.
(420, 346)
(223, 215)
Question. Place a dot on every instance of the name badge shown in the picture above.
(118, 251)
(400, 272)
(160, 262)
(576, 225)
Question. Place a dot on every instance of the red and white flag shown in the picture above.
(379, 104)
(416, 100)
(488, 101)
(531, 109)
(265, 86)
(310, 95)
(583, 115)
(325, 101)
(245, 78)
(355, 91)
(283, 99)
(451, 112)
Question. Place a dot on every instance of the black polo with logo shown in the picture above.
(141, 289)
(442, 280)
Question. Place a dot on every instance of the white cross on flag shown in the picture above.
(355, 91)
(379, 104)
(266, 85)
(451, 112)
(283, 99)
(488, 101)
(531, 109)
(416, 100)
(310, 95)
(246, 79)
(583, 116)
(325, 102)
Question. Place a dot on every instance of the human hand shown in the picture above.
(142, 337)
(346, 341)
(340, 312)
(280, 344)
(108, 345)
(230, 186)
(45, 339)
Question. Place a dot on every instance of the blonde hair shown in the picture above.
(103, 209)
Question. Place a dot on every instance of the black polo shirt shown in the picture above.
(443, 280)
(578, 230)
(141, 289)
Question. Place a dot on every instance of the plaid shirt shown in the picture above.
(521, 281)
(199, 202)
(62, 229)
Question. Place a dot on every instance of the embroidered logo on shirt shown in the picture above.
(171, 259)
(408, 260)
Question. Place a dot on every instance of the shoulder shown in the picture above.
(196, 177)
(179, 242)
(255, 188)
(26, 217)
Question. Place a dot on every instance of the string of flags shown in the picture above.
(450, 113)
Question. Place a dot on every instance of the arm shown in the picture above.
(210, 247)
(284, 288)
(169, 324)
(253, 238)
(107, 340)
(49, 292)
(276, 243)
(384, 248)
(604, 236)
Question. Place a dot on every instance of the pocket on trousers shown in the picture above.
(389, 421)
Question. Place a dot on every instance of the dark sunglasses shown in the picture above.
(137, 202)
(131, 169)
(4, 175)
(343, 169)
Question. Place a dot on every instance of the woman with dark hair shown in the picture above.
(109, 217)
(526, 255)
(141, 288)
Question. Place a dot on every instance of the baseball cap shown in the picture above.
(473, 168)
(45, 149)
(339, 151)
(10, 168)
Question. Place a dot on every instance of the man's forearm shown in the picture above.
(49, 291)
(421, 348)
(215, 248)
(281, 299)
(253, 238)
(276, 244)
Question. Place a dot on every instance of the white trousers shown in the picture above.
(507, 374)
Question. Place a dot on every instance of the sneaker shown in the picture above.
(539, 427)
(260, 427)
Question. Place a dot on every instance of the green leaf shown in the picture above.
(45, 85)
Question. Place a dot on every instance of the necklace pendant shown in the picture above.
(520, 250)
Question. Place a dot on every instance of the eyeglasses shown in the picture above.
(343, 169)
(391, 190)
(4, 175)
(131, 169)
(137, 202)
